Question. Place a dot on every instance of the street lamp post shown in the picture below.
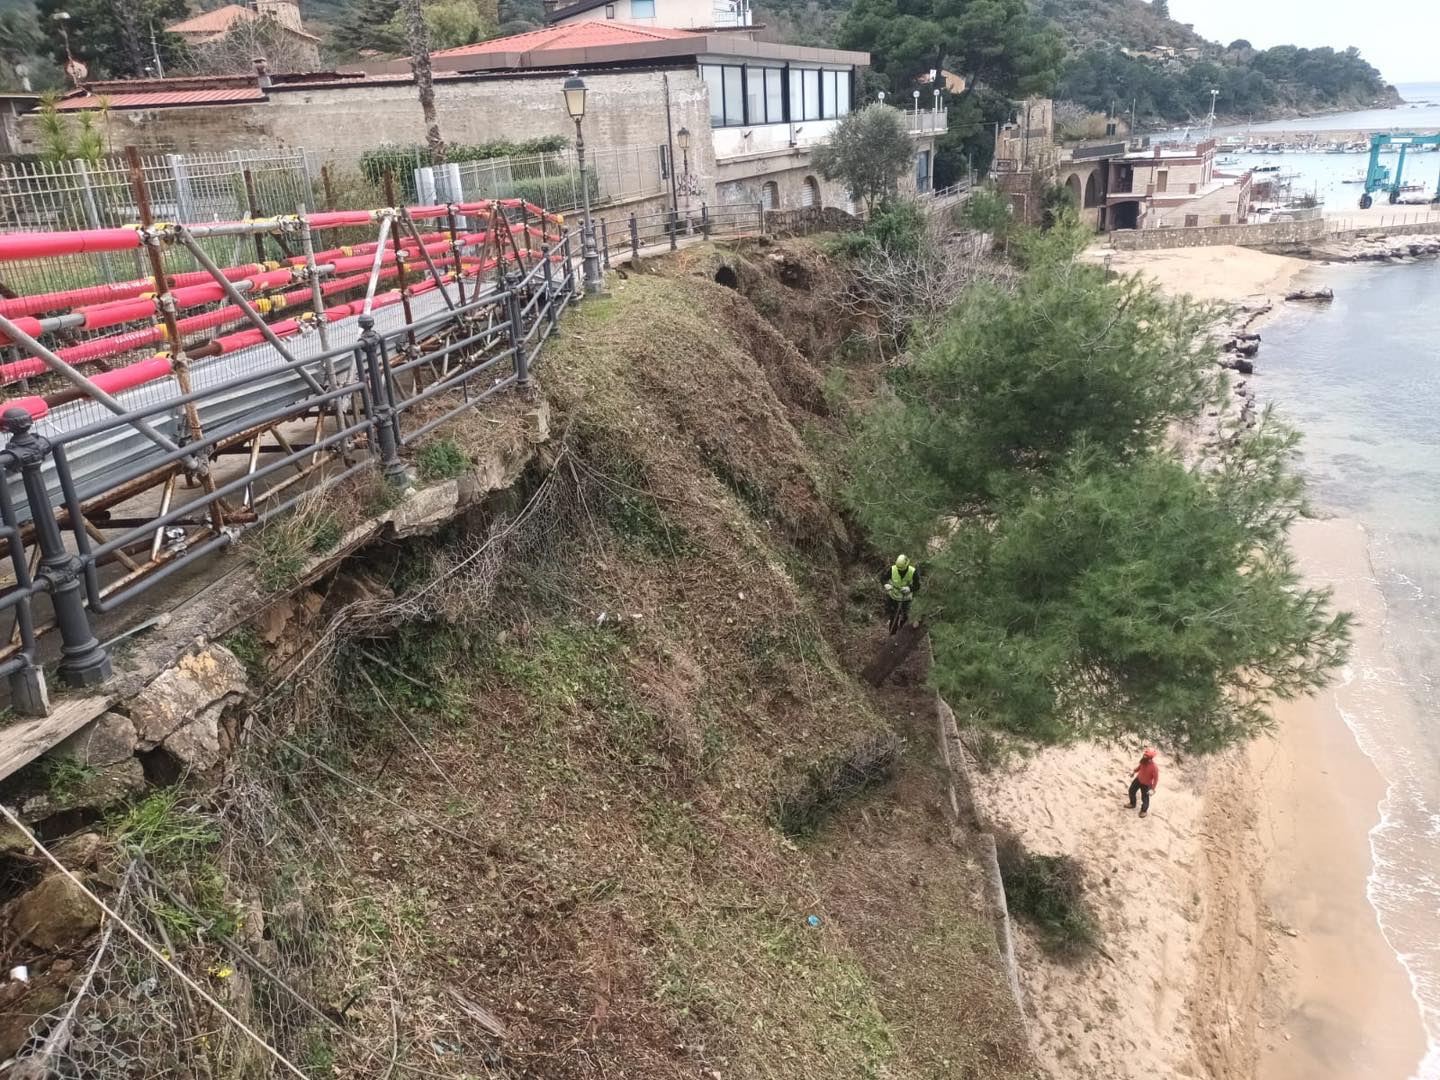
(937, 102)
(916, 95)
(682, 140)
(589, 257)
(74, 68)
(881, 96)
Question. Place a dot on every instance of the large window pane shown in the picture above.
(715, 83)
(842, 94)
(812, 95)
(755, 95)
(827, 78)
(642, 9)
(797, 96)
(774, 96)
(734, 96)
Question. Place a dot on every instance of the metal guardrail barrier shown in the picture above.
(666, 228)
(115, 482)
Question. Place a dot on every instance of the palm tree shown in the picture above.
(419, 35)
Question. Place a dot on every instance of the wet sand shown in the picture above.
(1339, 1003)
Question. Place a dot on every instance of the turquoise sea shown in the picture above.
(1361, 378)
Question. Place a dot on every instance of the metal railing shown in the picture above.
(113, 483)
(634, 233)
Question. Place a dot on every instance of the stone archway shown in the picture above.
(1092, 190)
(1072, 186)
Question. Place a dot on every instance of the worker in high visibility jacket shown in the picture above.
(901, 581)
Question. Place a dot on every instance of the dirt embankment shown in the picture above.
(586, 788)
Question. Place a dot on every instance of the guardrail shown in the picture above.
(634, 233)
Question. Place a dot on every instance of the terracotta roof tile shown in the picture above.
(157, 99)
(218, 21)
(222, 21)
(581, 35)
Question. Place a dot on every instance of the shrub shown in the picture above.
(1049, 891)
(441, 460)
(558, 191)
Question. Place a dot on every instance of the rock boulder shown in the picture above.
(181, 707)
(106, 741)
(55, 914)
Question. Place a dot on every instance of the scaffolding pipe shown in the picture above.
(249, 312)
(375, 267)
(14, 333)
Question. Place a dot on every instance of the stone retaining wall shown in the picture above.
(1267, 234)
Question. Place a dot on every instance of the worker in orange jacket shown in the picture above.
(1147, 779)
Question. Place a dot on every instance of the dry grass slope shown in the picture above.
(637, 893)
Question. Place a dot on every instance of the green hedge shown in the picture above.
(553, 191)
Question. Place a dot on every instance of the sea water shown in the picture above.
(1361, 379)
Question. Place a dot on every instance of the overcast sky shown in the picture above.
(1402, 40)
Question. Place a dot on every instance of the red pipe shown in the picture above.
(37, 245)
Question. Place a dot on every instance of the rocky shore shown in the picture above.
(1378, 248)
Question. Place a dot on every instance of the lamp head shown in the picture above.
(682, 138)
(575, 96)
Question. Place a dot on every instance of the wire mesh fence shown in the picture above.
(612, 174)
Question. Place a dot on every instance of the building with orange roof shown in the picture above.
(675, 116)
(211, 26)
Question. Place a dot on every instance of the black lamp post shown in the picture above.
(589, 257)
(682, 140)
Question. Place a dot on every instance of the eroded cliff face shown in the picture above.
(579, 785)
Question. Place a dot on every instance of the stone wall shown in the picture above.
(622, 109)
(1268, 234)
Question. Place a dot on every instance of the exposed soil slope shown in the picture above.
(658, 829)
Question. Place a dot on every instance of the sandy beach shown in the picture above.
(1219, 273)
(1339, 1003)
(1240, 941)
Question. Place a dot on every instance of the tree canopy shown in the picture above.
(113, 39)
(1083, 581)
(998, 43)
(867, 152)
(1249, 81)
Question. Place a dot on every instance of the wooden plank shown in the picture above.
(25, 740)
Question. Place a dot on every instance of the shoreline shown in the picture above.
(1343, 1005)
(1242, 937)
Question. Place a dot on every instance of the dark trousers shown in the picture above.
(1144, 791)
(898, 611)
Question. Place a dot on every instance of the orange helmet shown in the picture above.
(1147, 753)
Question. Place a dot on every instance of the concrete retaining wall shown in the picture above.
(1268, 234)
(966, 811)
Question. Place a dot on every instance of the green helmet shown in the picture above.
(902, 561)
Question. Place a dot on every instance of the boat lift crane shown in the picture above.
(1377, 176)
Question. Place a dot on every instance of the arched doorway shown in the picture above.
(1092, 190)
(770, 195)
(810, 192)
(1072, 185)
